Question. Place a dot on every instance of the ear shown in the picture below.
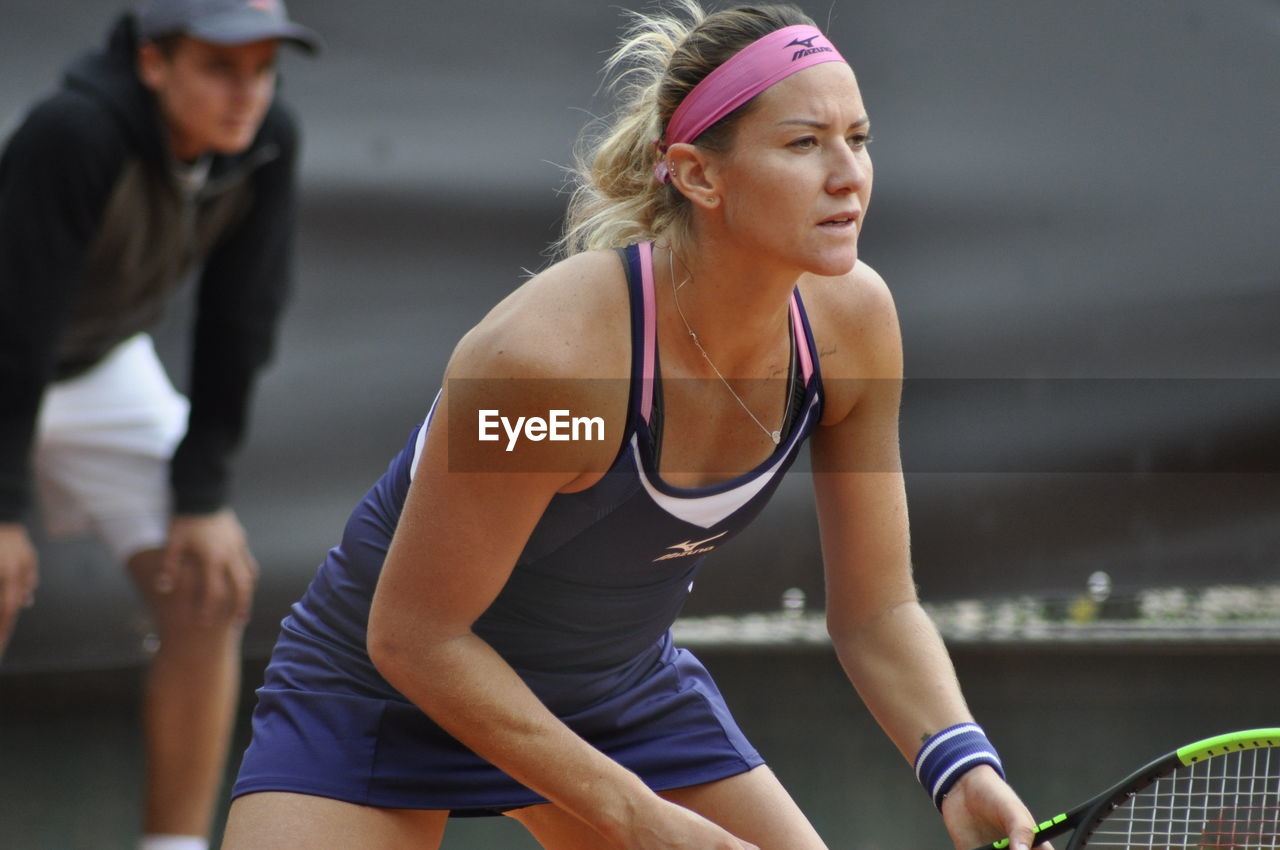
(693, 173)
(152, 66)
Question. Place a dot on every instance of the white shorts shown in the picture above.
(102, 449)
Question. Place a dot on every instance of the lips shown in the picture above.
(843, 219)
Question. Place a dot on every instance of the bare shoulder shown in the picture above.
(571, 320)
(855, 324)
(557, 349)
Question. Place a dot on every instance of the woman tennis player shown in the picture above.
(491, 636)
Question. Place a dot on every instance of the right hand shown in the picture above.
(18, 577)
(672, 827)
(222, 571)
(982, 808)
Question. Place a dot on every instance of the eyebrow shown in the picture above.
(822, 125)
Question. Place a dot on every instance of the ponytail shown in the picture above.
(615, 197)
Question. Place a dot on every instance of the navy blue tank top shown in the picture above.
(607, 569)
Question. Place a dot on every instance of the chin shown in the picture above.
(231, 149)
(835, 265)
(232, 143)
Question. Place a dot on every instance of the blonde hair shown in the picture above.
(615, 197)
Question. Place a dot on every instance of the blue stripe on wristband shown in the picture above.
(949, 754)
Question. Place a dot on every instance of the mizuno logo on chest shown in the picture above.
(690, 547)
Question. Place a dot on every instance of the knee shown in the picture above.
(197, 603)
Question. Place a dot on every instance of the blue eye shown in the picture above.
(858, 141)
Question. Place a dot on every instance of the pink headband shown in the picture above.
(742, 76)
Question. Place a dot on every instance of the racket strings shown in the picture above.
(1231, 802)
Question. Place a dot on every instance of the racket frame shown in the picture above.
(1094, 811)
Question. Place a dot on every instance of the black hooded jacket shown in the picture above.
(95, 236)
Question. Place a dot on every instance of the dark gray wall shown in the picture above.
(1075, 208)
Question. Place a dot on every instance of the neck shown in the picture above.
(184, 153)
(739, 314)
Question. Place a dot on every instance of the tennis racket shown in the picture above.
(1218, 793)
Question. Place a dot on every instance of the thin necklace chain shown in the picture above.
(776, 436)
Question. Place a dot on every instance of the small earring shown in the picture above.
(711, 199)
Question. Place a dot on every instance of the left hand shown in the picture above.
(982, 808)
(207, 558)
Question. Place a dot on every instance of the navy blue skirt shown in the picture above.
(318, 730)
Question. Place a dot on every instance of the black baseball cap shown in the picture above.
(225, 22)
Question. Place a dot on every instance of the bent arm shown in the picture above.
(456, 544)
(56, 174)
(455, 547)
(243, 290)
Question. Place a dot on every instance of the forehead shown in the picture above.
(828, 91)
(252, 52)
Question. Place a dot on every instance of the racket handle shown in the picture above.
(1041, 836)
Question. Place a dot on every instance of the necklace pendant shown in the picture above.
(777, 436)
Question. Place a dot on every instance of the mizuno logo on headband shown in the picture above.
(809, 49)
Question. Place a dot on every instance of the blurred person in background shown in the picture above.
(164, 152)
(491, 635)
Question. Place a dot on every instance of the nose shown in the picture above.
(850, 170)
(249, 86)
